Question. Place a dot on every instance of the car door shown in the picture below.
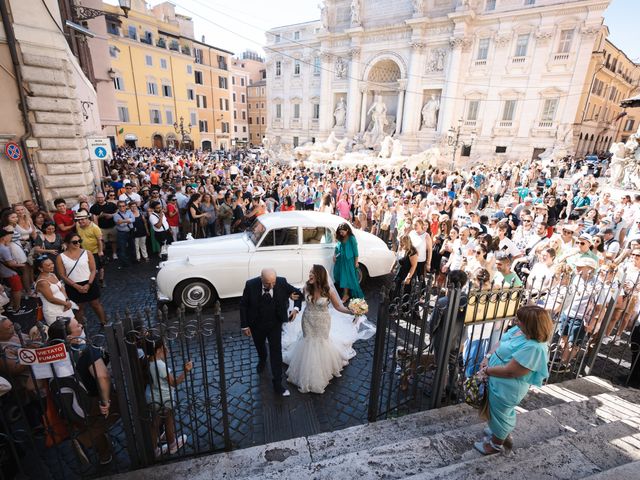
(279, 249)
(318, 245)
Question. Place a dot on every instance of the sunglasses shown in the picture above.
(635, 254)
(583, 243)
(76, 242)
(526, 221)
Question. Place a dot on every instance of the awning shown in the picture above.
(114, 18)
(631, 102)
(131, 136)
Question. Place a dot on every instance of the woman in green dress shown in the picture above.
(518, 361)
(345, 258)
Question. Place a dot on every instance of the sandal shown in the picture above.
(488, 447)
(507, 443)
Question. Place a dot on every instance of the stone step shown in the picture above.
(419, 455)
(625, 471)
(572, 456)
(441, 437)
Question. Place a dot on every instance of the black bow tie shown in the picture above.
(266, 292)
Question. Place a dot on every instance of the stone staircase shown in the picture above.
(584, 428)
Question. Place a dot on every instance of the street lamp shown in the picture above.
(87, 13)
(182, 131)
(453, 139)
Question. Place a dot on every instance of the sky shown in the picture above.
(240, 25)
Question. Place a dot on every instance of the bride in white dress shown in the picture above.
(320, 345)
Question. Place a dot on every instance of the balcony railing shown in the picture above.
(560, 57)
(517, 60)
(480, 63)
(505, 124)
(545, 124)
(470, 123)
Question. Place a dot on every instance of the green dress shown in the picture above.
(505, 394)
(344, 271)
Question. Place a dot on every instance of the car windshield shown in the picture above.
(255, 231)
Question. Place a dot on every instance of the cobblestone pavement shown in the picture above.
(256, 415)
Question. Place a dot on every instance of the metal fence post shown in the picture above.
(223, 381)
(120, 389)
(378, 353)
(137, 402)
(453, 305)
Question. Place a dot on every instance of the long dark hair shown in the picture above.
(346, 228)
(321, 283)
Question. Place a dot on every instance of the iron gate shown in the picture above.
(429, 340)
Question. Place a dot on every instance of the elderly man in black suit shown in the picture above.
(263, 310)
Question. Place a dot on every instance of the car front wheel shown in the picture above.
(193, 293)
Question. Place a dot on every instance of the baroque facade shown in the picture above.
(611, 78)
(161, 75)
(510, 72)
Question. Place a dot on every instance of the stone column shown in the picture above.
(363, 107)
(400, 108)
(413, 96)
(326, 95)
(447, 99)
(354, 97)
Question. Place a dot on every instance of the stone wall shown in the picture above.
(62, 160)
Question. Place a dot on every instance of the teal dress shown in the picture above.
(344, 271)
(505, 394)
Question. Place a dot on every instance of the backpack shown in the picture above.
(70, 398)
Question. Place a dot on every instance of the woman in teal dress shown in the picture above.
(345, 258)
(518, 361)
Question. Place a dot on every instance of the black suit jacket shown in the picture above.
(252, 295)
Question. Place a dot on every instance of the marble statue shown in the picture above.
(341, 68)
(418, 7)
(355, 13)
(341, 149)
(440, 54)
(385, 147)
(324, 15)
(340, 113)
(430, 113)
(396, 150)
(617, 163)
(378, 112)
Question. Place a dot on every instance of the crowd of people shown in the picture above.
(552, 228)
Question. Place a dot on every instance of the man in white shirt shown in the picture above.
(611, 245)
(129, 195)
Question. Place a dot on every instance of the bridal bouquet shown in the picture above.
(358, 306)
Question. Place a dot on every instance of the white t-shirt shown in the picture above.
(131, 197)
(153, 219)
(419, 241)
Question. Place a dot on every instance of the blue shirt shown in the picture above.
(124, 227)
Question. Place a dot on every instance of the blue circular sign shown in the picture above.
(100, 152)
(13, 151)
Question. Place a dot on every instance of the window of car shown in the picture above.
(280, 237)
(255, 231)
(317, 236)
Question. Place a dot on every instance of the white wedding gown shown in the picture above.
(318, 344)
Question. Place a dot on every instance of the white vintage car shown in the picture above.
(197, 272)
